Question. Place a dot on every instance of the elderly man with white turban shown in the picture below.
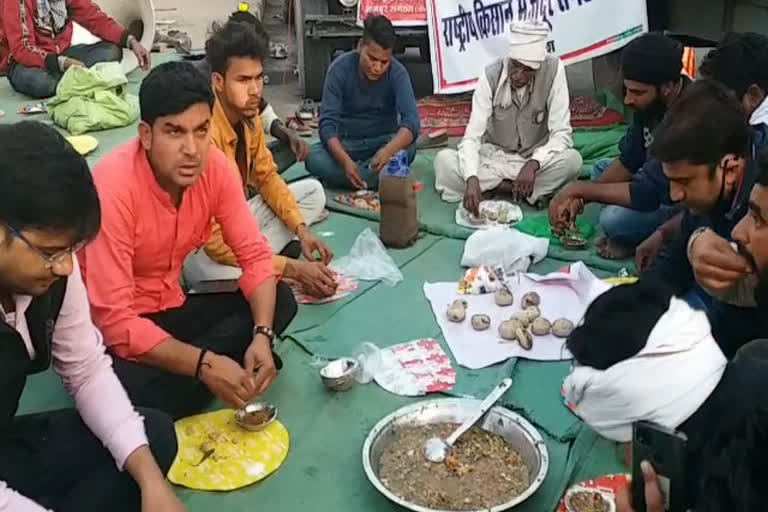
(518, 142)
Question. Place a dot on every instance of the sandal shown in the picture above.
(278, 50)
(307, 110)
(299, 127)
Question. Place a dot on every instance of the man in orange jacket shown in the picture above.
(36, 42)
(284, 212)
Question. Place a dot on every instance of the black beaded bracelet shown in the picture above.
(200, 363)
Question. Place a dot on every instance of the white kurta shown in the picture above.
(559, 162)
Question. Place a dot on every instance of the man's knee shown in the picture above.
(318, 159)
(285, 308)
(599, 168)
(614, 220)
(109, 52)
(315, 193)
(570, 163)
(161, 436)
(33, 82)
(446, 166)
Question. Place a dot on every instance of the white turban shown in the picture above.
(528, 46)
(665, 383)
(528, 43)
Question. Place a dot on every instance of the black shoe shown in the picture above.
(292, 250)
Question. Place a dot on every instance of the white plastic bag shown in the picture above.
(369, 261)
(509, 248)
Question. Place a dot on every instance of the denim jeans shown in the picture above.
(626, 226)
(53, 458)
(40, 83)
(323, 166)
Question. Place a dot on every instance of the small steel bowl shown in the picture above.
(577, 489)
(516, 431)
(339, 375)
(251, 417)
(573, 241)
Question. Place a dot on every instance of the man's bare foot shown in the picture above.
(613, 251)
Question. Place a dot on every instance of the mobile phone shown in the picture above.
(666, 450)
(213, 287)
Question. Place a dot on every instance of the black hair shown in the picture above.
(652, 59)
(762, 168)
(234, 39)
(379, 30)
(172, 88)
(739, 61)
(617, 324)
(44, 183)
(253, 21)
(732, 468)
(703, 125)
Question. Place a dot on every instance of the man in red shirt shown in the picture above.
(36, 39)
(160, 195)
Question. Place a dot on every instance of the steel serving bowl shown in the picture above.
(516, 431)
(340, 375)
(245, 417)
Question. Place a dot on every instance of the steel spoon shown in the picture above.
(436, 449)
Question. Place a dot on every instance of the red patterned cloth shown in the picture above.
(363, 200)
(586, 111)
(449, 113)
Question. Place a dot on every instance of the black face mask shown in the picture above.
(761, 292)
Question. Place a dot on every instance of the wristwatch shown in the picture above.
(692, 239)
(267, 332)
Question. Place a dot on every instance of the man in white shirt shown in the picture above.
(518, 142)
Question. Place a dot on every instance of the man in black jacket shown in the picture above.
(708, 154)
(737, 276)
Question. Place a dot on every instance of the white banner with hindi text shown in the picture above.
(467, 35)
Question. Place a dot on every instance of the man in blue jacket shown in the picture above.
(368, 113)
(633, 185)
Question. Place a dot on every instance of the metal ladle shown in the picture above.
(436, 449)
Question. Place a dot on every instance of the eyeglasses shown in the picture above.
(51, 260)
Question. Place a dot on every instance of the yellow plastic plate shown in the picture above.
(239, 457)
(83, 144)
(620, 280)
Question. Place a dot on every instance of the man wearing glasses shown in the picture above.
(56, 460)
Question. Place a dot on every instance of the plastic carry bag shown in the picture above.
(508, 248)
(369, 261)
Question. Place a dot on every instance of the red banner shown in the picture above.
(402, 13)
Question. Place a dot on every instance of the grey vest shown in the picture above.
(523, 126)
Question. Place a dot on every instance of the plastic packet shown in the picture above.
(482, 279)
(368, 261)
(369, 358)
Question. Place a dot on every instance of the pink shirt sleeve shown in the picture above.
(11, 501)
(241, 230)
(110, 280)
(80, 360)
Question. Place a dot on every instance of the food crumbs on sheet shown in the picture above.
(482, 470)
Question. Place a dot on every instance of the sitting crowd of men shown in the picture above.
(93, 267)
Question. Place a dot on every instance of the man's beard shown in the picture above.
(761, 292)
(759, 277)
(654, 112)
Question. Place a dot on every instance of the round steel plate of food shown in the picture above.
(495, 466)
